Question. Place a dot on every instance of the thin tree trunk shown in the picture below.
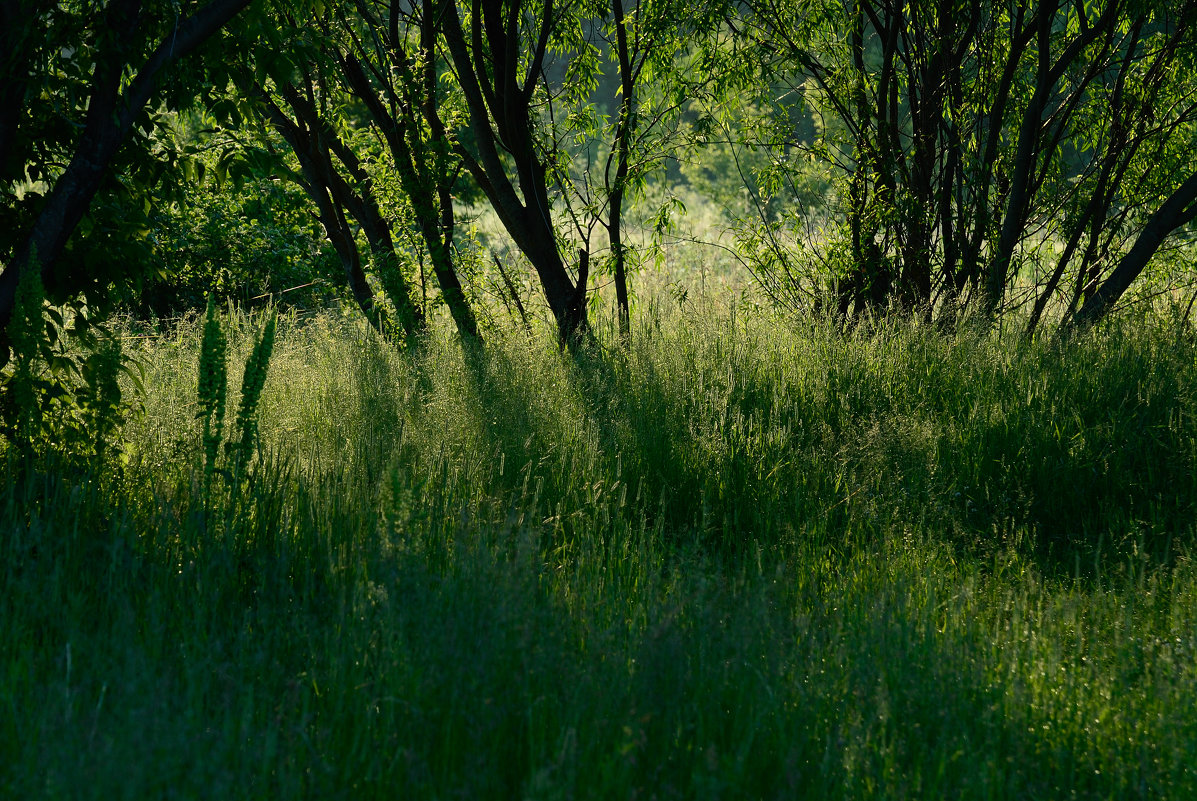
(623, 136)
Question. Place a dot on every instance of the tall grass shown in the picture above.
(745, 558)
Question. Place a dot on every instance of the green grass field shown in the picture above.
(747, 557)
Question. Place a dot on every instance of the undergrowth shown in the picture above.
(746, 557)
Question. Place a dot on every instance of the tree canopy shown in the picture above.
(926, 157)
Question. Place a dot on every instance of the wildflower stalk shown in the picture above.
(254, 379)
(212, 388)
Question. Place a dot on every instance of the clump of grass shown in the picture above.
(741, 558)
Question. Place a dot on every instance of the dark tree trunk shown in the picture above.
(623, 144)
(315, 169)
(420, 173)
(498, 94)
(111, 114)
(1179, 209)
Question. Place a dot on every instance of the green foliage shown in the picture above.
(60, 398)
(594, 115)
(240, 241)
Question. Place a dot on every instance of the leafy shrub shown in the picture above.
(59, 395)
(238, 245)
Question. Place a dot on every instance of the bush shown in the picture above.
(242, 245)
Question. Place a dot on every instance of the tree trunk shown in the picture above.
(430, 194)
(1179, 209)
(110, 118)
(623, 136)
(333, 197)
(489, 70)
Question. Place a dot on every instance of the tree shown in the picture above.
(1178, 210)
(498, 68)
(105, 74)
(553, 133)
(973, 141)
(336, 82)
(651, 42)
(388, 60)
(340, 200)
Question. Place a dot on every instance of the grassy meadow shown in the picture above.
(745, 557)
